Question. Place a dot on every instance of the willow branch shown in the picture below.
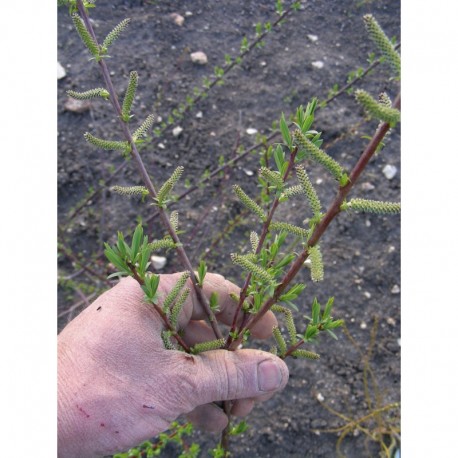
(321, 228)
(147, 180)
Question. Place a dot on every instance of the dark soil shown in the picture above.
(361, 252)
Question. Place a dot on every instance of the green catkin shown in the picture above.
(316, 267)
(384, 99)
(252, 257)
(318, 155)
(173, 294)
(296, 230)
(164, 192)
(272, 177)
(292, 191)
(384, 45)
(254, 240)
(279, 339)
(174, 220)
(308, 189)
(106, 144)
(163, 244)
(207, 346)
(377, 110)
(167, 340)
(289, 322)
(129, 96)
(178, 306)
(114, 34)
(249, 203)
(251, 267)
(130, 190)
(144, 128)
(85, 35)
(300, 353)
(372, 206)
(91, 94)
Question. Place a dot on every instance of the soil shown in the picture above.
(361, 252)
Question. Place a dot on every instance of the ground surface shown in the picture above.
(361, 252)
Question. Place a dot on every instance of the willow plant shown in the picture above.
(270, 269)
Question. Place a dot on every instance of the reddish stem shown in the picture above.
(332, 212)
(147, 180)
(262, 238)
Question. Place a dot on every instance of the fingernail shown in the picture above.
(269, 376)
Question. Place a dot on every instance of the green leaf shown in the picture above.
(239, 428)
(279, 157)
(328, 308)
(214, 301)
(150, 287)
(201, 272)
(315, 312)
(136, 241)
(285, 131)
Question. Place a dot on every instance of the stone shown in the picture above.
(61, 73)
(318, 64)
(199, 57)
(312, 38)
(395, 289)
(177, 19)
(251, 131)
(158, 262)
(366, 186)
(390, 171)
(177, 131)
(77, 106)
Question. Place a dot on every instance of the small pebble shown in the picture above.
(318, 64)
(158, 262)
(320, 397)
(312, 37)
(367, 294)
(188, 13)
(61, 73)
(177, 131)
(391, 249)
(77, 106)
(248, 172)
(251, 131)
(366, 186)
(368, 223)
(363, 325)
(319, 180)
(199, 57)
(395, 289)
(161, 145)
(390, 171)
(177, 19)
(391, 321)
(199, 114)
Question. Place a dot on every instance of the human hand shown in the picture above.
(119, 386)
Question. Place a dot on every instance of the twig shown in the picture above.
(332, 212)
(147, 180)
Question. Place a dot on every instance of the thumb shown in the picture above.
(221, 375)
